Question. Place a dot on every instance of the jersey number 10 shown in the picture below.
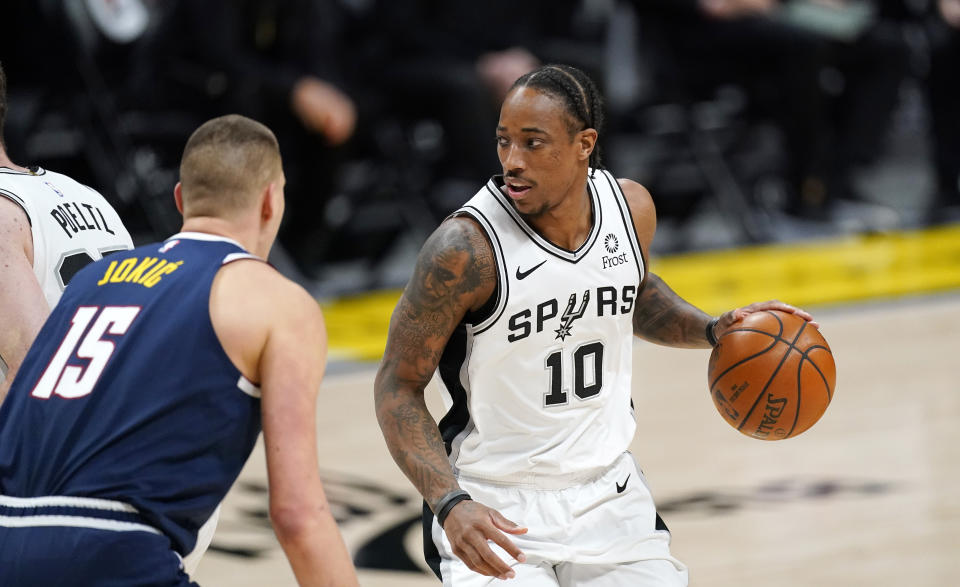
(587, 374)
(74, 381)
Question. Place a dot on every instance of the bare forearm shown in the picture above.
(415, 443)
(317, 553)
(663, 317)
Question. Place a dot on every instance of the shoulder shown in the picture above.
(459, 232)
(67, 181)
(74, 189)
(457, 259)
(15, 229)
(12, 194)
(253, 306)
(252, 282)
(642, 209)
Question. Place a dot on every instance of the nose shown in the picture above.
(512, 159)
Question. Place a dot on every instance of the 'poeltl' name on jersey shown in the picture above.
(608, 302)
(73, 219)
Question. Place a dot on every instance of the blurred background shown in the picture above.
(750, 121)
(807, 150)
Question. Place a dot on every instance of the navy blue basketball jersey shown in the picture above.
(127, 397)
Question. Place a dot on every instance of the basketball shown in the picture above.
(772, 375)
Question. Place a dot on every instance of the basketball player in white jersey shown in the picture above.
(50, 228)
(525, 303)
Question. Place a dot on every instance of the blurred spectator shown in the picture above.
(873, 63)
(944, 92)
(453, 60)
(779, 58)
(276, 61)
(702, 44)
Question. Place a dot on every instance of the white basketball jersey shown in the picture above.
(538, 383)
(72, 225)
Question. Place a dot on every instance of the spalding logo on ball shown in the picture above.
(772, 375)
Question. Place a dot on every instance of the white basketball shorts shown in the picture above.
(604, 532)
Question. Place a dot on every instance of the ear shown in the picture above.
(178, 197)
(587, 141)
(268, 205)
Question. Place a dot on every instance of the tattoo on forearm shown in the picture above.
(663, 317)
(421, 454)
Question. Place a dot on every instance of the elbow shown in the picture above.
(293, 523)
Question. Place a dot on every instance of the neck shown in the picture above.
(6, 162)
(249, 237)
(567, 224)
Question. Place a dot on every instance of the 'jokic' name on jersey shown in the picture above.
(609, 302)
(146, 272)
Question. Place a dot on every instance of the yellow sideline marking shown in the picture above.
(806, 274)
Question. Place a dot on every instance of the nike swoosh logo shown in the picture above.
(621, 488)
(523, 274)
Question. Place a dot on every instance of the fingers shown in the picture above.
(502, 523)
(471, 527)
(740, 313)
(506, 525)
(501, 569)
(778, 305)
(511, 548)
(478, 555)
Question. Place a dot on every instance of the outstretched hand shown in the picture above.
(729, 318)
(470, 525)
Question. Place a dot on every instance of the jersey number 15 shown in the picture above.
(74, 381)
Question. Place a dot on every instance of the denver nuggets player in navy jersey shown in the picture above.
(525, 303)
(145, 391)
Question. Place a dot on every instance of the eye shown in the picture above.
(534, 143)
(502, 141)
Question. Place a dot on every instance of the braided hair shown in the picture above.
(577, 92)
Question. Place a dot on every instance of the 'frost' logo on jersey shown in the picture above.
(611, 243)
(566, 320)
(54, 188)
(169, 245)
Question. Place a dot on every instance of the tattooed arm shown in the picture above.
(660, 315)
(455, 273)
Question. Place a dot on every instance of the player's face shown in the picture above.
(541, 162)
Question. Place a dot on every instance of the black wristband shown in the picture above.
(447, 502)
(711, 335)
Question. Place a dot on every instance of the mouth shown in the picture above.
(516, 189)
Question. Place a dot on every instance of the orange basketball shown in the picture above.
(772, 375)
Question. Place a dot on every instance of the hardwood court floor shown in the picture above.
(868, 496)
